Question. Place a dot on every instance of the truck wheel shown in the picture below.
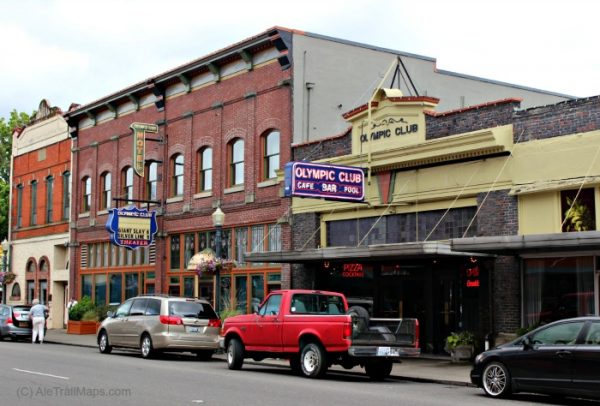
(378, 371)
(313, 361)
(360, 319)
(235, 354)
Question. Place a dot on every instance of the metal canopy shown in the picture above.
(517, 244)
(412, 250)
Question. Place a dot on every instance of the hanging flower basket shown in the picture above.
(7, 277)
(212, 265)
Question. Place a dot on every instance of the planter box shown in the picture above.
(82, 327)
(462, 353)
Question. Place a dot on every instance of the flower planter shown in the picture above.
(462, 353)
(82, 327)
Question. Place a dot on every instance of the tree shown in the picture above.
(6, 131)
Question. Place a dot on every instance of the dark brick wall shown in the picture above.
(568, 117)
(498, 214)
(306, 236)
(470, 119)
(327, 148)
(506, 293)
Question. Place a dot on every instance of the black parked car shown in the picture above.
(560, 358)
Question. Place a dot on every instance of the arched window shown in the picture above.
(16, 291)
(205, 167)
(152, 181)
(127, 183)
(236, 162)
(31, 266)
(106, 185)
(86, 196)
(44, 266)
(177, 175)
(66, 195)
(270, 154)
(33, 221)
(49, 194)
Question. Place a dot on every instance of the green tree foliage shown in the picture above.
(6, 130)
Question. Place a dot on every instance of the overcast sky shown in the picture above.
(80, 50)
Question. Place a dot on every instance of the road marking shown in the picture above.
(41, 373)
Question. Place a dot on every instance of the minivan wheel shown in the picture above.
(146, 347)
(103, 345)
(235, 354)
(313, 361)
(496, 380)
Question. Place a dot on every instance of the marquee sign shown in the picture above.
(139, 144)
(131, 227)
(333, 182)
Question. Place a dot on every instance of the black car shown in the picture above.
(14, 322)
(560, 358)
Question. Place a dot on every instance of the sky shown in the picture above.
(77, 51)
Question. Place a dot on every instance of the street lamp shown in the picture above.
(218, 218)
(5, 248)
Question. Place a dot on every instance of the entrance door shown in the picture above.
(444, 308)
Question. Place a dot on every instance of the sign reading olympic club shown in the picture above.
(333, 182)
(131, 227)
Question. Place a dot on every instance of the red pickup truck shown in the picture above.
(314, 330)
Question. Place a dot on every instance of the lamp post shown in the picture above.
(5, 248)
(218, 218)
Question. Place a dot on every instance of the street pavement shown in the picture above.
(422, 369)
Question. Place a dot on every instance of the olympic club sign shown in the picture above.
(332, 182)
(131, 227)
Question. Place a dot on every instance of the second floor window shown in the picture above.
(49, 193)
(19, 205)
(271, 154)
(205, 170)
(66, 195)
(106, 184)
(86, 186)
(152, 181)
(127, 182)
(236, 162)
(34, 203)
(177, 175)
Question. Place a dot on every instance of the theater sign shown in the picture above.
(131, 227)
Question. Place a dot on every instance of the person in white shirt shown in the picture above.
(37, 314)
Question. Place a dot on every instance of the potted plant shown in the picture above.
(82, 317)
(461, 345)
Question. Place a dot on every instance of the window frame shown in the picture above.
(49, 194)
(86, 194)
(269, 155)
(33, 208)
(127, 183)
(152, 181)
(20, 189)
(177, 175)
(106, 190)
(205, 172)
(236, 167)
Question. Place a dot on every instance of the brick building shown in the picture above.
(226, 124)
(484, 219)
(40, 206)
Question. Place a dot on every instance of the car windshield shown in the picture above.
(21, 308)
(191, 309)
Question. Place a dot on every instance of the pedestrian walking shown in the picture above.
(37, 314)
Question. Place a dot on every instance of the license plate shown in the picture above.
(191, 329)
(23, 324)
(387, 352)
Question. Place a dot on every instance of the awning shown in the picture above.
(517, 244)
(411, 250)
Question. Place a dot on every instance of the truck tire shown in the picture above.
(360, 319)
(379, 370)
(313, 361)
(235, 354)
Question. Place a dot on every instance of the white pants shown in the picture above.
(38, 329)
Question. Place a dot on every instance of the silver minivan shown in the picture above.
(162, 323)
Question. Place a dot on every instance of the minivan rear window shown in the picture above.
(192, 309)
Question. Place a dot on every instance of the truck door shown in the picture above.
(267, 329)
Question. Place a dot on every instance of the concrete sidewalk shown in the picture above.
(423, 369)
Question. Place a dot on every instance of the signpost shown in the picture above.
(332, 182)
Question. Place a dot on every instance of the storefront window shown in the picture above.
(258, 290)
(190, 248)
(131, 285)
(188, 287)
(86, 286)
(241, 235)
(578, 210)
(115, 288)
(558, 288)
(175, 250)
(100, 290)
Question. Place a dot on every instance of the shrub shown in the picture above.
(78, 310)
(89, 315)
(461, 338)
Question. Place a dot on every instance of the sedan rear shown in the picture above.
(14, 322)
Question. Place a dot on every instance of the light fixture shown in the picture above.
(218, 218)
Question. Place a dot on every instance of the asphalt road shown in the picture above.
(52, 374)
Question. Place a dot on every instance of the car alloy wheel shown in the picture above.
(496, 380)
(103, 345)
(146, 346)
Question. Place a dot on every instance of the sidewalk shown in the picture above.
(423, 369)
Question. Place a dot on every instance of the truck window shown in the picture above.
(271, 306)
(308, 303)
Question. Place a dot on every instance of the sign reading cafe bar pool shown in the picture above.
(131, 227)
(333, 182)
